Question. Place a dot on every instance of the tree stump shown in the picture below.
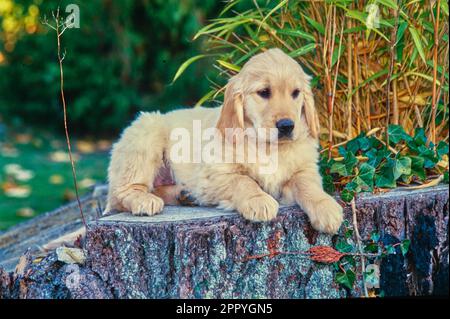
(201, 252)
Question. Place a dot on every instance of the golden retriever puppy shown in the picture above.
(272, 94)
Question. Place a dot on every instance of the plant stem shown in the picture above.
(358, 241)
(63, 100)
(392, 45)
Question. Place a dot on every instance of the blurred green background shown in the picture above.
(121, 60)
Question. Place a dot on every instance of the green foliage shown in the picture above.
(310, 32)
(121, 60)
(373, 250)
(346, 279)
(380, 166)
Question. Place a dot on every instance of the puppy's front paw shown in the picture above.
(262, 207)
(327, 215)
(144, 204)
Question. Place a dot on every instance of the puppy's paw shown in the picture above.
(145, 204)
(327, 216)
(262, 207)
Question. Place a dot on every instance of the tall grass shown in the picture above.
(373, 62)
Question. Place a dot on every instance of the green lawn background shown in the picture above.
(52, 183)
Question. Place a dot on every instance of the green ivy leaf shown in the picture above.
(364, 179)
(346, 279)
(345, 167)
(339, 168)
(390, 250)
(348, 233)
(417, 167)
(429, 156)
(353, 145)
(375, 236)
(397, 134)
(350, 161)
(419, 139)
(371, 248)
(350, 260)
(377, 155)
(446, 177)
(361, 142)
(343, 246)
(385, 177)
(441, 149)
(404, 246)
(342, 151)
(347, 195)
(328, 184)
(402, 166)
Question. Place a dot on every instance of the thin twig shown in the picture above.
(358, 242)
(59, 33)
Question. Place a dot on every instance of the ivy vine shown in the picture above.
(366, 163)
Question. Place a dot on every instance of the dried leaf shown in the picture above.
(325, 254)
(70, 255)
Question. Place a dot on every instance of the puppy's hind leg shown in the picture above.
(135, 161)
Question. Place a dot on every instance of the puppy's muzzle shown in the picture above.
(285, 128)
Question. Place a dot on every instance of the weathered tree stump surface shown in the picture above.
(34, 233)
(204, 253)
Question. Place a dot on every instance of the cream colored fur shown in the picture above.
(145, 144)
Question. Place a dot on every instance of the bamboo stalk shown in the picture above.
(435, 58)
(356, 74)
(392, 45)
(327, 56)
(349, 84)
(395, 110)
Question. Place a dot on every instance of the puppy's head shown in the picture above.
(272, 92)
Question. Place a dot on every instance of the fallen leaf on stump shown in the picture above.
(70, 255)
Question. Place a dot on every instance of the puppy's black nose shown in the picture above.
(285, 127)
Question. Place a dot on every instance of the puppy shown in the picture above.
(271, 92)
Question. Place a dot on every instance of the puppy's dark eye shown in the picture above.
(264, 93)
(295, 93)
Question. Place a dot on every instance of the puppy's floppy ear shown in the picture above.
(309, 110)
(232, 114)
